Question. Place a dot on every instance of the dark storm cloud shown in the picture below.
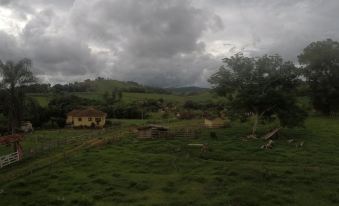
(158, 42)
(154, 42)
(58, 52)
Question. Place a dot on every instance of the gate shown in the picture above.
(9, 159)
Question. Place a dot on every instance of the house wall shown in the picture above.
(215, 123)
(69, 120)
(86, 121)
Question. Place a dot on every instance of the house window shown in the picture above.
(98, 119)
(79, 119)
(90, 119)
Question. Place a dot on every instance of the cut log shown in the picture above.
(197, 145)
(271, 134)
(204, 147)
(301, 144)
(251, 136)
(269, 145)
(290, 141)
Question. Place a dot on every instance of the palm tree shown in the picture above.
(13, 77)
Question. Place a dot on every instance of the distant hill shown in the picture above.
(103, 85)
(187, 90)
(132, 91)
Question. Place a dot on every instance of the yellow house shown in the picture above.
(215, 122)
(88, 117)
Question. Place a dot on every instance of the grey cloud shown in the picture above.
(192, 69)
(22, 9)
(151, 40)
(283, 27)
(159, 42)
(9, 48)
(147, 28)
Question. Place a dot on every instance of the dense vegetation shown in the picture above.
(321, 69)
(262, 88)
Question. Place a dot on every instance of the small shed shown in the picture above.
(152, 131)
(26, 127)
(215, 122)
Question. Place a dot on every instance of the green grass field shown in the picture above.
(169, 172)
(43, 99)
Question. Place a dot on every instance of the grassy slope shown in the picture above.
(168, 172)
(99, 87)
(43, 99)
(129, 97)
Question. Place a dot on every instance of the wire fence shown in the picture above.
(47, 145)
(42, 145)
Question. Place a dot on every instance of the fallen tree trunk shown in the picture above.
(271, 134)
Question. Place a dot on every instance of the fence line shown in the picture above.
(171, 133)
(54, 144)
(64, 155)
(44, 146)
(9, 159)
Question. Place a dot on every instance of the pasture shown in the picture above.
(234, 171)
(128, 97)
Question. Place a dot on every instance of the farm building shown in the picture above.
(215, 122)
(88, 117)
(26, 127)
(152, 131)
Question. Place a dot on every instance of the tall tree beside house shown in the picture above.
(321, 68)
(114, 97)
(15, 75)
(110, 100)
(263, 88)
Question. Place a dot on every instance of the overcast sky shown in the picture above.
(156, 42)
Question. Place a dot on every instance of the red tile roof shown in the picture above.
(11, 138)
(88, 112)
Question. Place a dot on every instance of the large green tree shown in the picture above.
(260, 88)
(15, 75)
(321, 68)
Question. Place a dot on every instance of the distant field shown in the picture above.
(129, 97)
(169, 172)
(43, 99)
